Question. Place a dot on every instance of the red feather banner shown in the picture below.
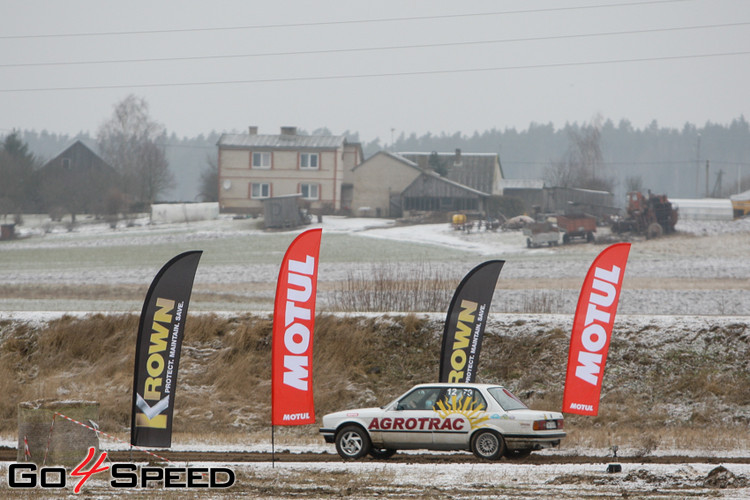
(293, 324)
(592, 330)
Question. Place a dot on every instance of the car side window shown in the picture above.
(461, 398)
(423, 398)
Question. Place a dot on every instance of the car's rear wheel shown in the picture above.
(517, 454)
(352, 442)
(487, 445)
(382, 453)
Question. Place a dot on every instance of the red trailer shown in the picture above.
(577, 226)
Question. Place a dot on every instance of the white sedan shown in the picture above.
(485, 419)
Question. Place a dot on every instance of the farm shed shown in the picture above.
(529, 191)
(430, 192)
(77, 181)
(284, 211)
(480, 171)
(741, 204)
(704, 209)
(564, 200)
(378, 183)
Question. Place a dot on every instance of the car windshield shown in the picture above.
(506, 399)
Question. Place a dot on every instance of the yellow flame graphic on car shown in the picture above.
(468, 407)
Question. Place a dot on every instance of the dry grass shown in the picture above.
(645, 441)
(224, 385)
(543, 302)
(394, 287)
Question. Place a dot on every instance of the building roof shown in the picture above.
(522, 183)
(466, 160)
(745, 196)
(281, 141)
(432, 176)
(80, 155)
(476, 170)
(394, 156)
(447, 154)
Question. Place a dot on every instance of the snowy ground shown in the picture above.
(503, 479)
(403, 480)
(705, 270)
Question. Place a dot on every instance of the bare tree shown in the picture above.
(583, 165)
(210, 180)
(129, 141)
(561, 173)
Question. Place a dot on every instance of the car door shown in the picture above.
(460, 409)
(408, 422)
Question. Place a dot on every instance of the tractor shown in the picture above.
(651, 215)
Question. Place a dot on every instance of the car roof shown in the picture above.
(459, 384)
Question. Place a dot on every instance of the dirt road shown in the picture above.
(426, 476)
(9, 455)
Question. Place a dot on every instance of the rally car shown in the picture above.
(485, 419)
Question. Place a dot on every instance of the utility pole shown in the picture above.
(706, 178)
(698, 166)
(739, 179)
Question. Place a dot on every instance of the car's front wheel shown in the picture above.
(352, 442)
(487, 445)
(382, 453)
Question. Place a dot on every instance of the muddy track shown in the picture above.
(9, 455)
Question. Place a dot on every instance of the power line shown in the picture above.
(343, 22)
(655, 163)
(377, 75)
(379, 48)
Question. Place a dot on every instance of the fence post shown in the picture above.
(68, 443)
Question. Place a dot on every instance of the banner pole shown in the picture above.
(273, 448)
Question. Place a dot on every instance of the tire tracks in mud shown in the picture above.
(9, 455)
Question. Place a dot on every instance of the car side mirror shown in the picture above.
(399, 407)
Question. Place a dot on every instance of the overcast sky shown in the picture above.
(380, 68)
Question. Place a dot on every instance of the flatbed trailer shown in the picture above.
(541, 233)
(577, 226)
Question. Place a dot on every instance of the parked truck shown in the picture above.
(577, 226)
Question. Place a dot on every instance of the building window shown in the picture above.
(67, 163)
(259, 190)
(261, 160)
(308, 160)
(309, 191)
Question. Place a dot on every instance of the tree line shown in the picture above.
(152, 165)
(617, 157)
(134, 173)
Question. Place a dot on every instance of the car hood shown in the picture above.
(357, 412)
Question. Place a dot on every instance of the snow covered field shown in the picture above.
(365, 480)
(703, 270)
(671, 284)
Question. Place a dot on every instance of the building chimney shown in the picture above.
(253, 130)
(457, 160)
(288, 130)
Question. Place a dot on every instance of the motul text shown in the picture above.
(598, 323)
(297, 313)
